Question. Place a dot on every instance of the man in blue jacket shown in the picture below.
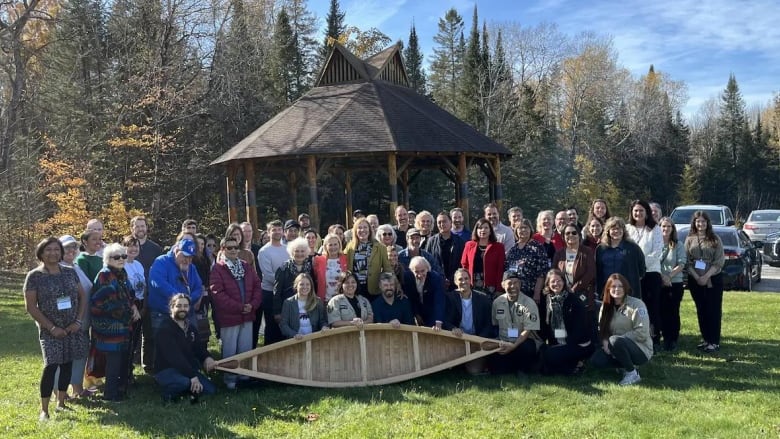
(426, 294)
(171, 274)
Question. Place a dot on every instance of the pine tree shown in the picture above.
(285, 54)
(304, 27)
(733, 142)
(447, 67)
(414, 60)
(335, 26)
(470, 86)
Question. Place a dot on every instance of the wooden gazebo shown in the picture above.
(361, 116)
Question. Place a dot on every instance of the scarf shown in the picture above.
(555, 310)
(236, 268)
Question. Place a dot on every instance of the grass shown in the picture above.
(733, 394)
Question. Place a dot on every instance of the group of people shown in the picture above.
(557, 297)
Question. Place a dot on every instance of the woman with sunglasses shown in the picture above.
(113, 314)
(578, 266)
(236, 296)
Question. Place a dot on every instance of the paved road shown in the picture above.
(770, 280)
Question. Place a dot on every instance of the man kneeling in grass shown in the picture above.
(179, 357)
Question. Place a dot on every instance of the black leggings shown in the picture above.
(47, 378)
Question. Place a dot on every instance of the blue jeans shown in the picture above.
(173, 383)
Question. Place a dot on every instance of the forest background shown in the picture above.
(116, 107)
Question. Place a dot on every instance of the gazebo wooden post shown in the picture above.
(348, 199)
(251, 200)
(392, 175)
(463, 184)
(405, 185)
(230, 182)
(498, 189)
(314, 206)
(292, 211)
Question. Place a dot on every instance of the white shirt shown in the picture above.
(505, 235)
(652, 244)
(135, 274)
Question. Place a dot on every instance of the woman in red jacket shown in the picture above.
(236, 296)
(483, 257)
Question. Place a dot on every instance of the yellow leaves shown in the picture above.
(116, 218)
(141, 137)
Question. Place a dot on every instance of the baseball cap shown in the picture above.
(412, 231)
(187, 247)
(289, 224)
(511, 275)
(67, 240)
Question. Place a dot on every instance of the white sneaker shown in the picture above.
(630, 378)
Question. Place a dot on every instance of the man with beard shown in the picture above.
(426, 294)
(178, 358)
(270, 257)
(171, 274)
(148, 251)
(504, 234)
(391, 307)
(446, 249)
(517, 318)
(458, 226)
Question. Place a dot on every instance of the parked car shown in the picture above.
(772, 249)
(719, 215)
(743, 260)
(761, 223)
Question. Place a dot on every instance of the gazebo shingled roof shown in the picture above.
(363, 111)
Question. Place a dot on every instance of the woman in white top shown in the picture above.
(644, 231)
(304, 312)
(135, 275)
(71, 248)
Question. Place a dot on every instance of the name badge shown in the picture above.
(700, 264)
(63, 303)
(512, 332)
(560, 333)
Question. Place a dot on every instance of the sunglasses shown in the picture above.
(231, 247)
(386, 234)
(118, 257)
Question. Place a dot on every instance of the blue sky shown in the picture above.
(699, 42)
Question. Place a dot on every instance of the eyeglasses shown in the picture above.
(571, 234)
(231, 247)
(386, 234)
(118, 257)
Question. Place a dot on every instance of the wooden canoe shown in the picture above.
(349, 356)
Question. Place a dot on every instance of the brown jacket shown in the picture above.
(584, 271)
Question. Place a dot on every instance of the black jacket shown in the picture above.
(178, 349)
(481, 308)
(575, 320)
(433, 246)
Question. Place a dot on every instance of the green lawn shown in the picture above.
(735, 394)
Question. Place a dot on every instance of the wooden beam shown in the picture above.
(348, 199)
(449, 164)
(405, 186)
(499, 189)
(463, 185)
(314, 206)
(231, 193)
(325, 164)
(405, 165)
(392, 177)
(251, 198)
(292, 208)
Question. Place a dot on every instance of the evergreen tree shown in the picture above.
(470, 87)
(733, 142)
(335, 27)
(414, 63)
(447, 67)
(285, 55)
(304, 27)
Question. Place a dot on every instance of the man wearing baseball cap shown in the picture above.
(291, 231)
(171, 274)
(517, 318)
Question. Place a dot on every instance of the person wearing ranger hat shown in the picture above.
(517, 318)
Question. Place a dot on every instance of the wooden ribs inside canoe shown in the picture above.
(352, 357)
